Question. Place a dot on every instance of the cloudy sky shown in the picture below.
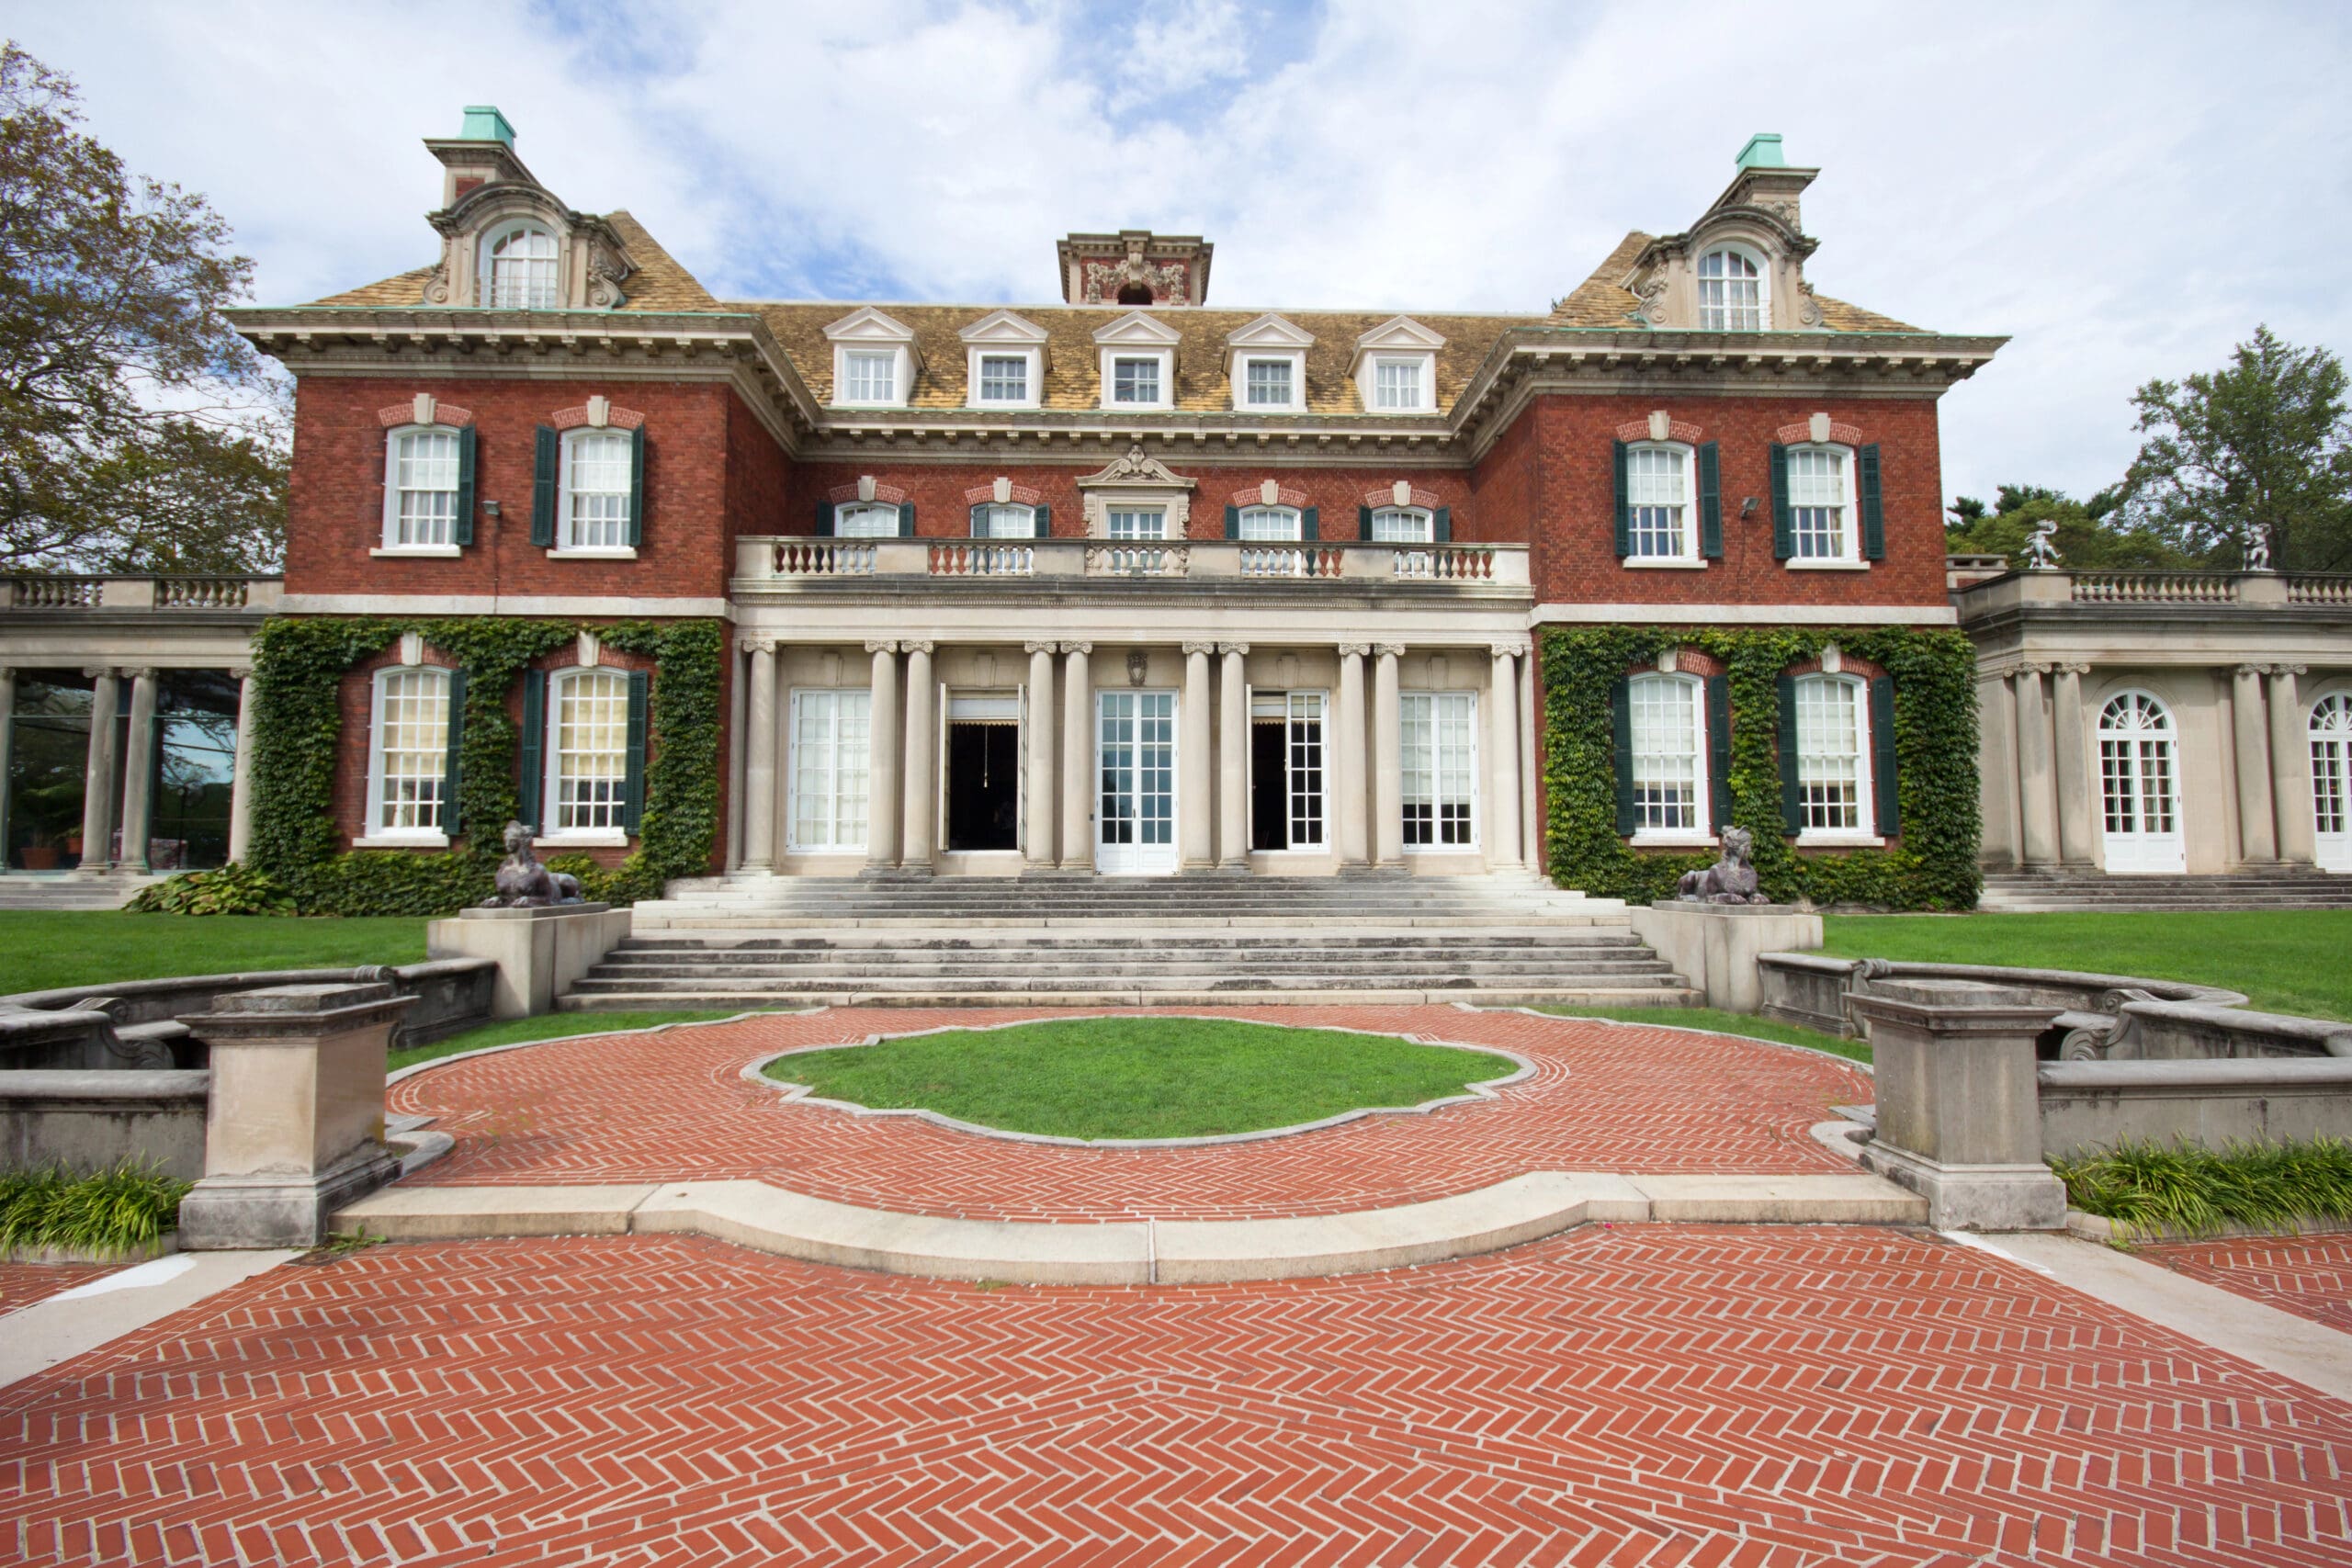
(2123, 189)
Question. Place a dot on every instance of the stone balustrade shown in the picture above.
(64, 592)
(777, 560)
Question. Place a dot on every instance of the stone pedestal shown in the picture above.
(295, 1129)
(1715, 946)
(1959, 1121)
(540, 953)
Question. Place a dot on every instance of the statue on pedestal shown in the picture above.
(1731, 880)
(523, 883)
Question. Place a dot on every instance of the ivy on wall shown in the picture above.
(298, 666)
(1931, 866)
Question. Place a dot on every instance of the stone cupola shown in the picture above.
(1135, 267)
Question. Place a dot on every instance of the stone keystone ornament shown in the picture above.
(1731, 880)
(523, 883)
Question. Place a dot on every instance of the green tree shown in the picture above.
(2260, 449)
(137, 431)
(2090, 535)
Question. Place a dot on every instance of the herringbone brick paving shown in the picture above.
(1656, 1394)
(2308, 1275)
(673, 1107)
(22, 1285)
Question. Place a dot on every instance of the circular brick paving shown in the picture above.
(674, 1106)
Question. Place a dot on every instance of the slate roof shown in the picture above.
(1602, 300)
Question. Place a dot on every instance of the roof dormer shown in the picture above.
(1266, 363)
(874, 361)
(1138, 356)
(1740, 267)
(1004, 362)
(507, 243)
(1395, 368)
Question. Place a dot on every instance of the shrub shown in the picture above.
(105, 1212)
(232, 890)
(2191, 1190)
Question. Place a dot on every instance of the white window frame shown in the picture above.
(486, 266)
(1700, 829)
(1295, 707)
(391, 544)
(2328, 729)
(1004, 336)
(1165, 359)
(567, 545)
(868, 330)
(1113, 512)
(886, 510)
(1294, 361)
(378, 837)
(552, 832)
(1864, 831)
(837, 696)
(1436, 771)
(1849, 558)
(1754, 258)
(997, 509)
(1424, 366)
(1427, 534)
(865, 360)
(1262, 518)
(1687, 461)
(1031, 373)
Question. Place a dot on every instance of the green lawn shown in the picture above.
(1744, 1023)
(41, 949)
(2286, 961)
(547, 1026)
(1140, 1078)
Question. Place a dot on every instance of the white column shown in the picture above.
(1232, 757)
(1387, 756)
(1078, 758)
(2071, 752)
(139, 772)
(1348, 774)
(1038, 843)
(2290, 766)
(1195, 808)
(2036, 802)
(882, 765)
(1530, 771)
(921, 780)
(1502, 759)
(738, 759)
(241, 772)
(98, 770)
(758, 741)
(2250, 743)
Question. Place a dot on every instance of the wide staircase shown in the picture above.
(2285, 887)
(963, 940)
(50, 891)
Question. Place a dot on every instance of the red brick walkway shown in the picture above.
(673, 1107)
(2308, 1275)
(22, 1285)
(1655, 1395)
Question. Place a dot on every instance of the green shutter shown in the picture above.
(463, 534)
(533, 792)
(979, 520)
(906, 520)
(1310, 522)
(1625, 510)
(1233, 522)
(824, 519)
(1873, 511)
(1041, 525)
(1364, 523)
(1620, 718)
(636, 487)
(546, 460)
(1792, 804)
(1710, 503)
(1441, 525)
(453, 776)
(1719, 752)
(1784, 542)
(1885, 787)
(633, 781)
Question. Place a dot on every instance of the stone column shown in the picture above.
(2250, 746)
(1531, 769)
(1348, 773)
(1078, 758)
(922, 780)
(2071, 751)
(738, 760)
(2036, 799)
(241, 772)
(139, 772)
(882, 760)
(1232, 757)
(2290, 766)
(1996, 783)
(98, 771)
(1502, 762)
(1038, 845)
(758, 741)
(1194, 805)
(1387, 757)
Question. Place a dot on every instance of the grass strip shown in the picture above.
(1721, 1022)
(2189, 1190)
(43, 949)
(105, 1213)
(547, 1026)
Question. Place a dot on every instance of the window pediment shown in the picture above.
(591, 265)
(1269, 332)
(1137, 330)
(1004, 327)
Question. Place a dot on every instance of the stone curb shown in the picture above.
(1863, 1068)
(397, 1074)
(2098, 1228)
(1128, 1252)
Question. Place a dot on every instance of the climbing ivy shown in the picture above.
(1931, 866)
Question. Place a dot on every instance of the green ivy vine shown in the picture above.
(1931, 866)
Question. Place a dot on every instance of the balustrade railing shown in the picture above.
(202, 593)
(2331, 591)
(1445, 563)
(983, 559)
(2154, 588)
(1266, 561)
(91, 591)
(57, 592)
(1138, 561)
(823, 557)
(1291, 561)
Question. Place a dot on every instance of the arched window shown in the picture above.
(1821, 505)
(1268, 525)
(1670, 735)
(867, 519)
(1731, 292)
(587, 781)
(1658, 491)
(596, 482)
(518, 269)
(1403, 526)
(1004, 522)
(408, 772)
(2139, 790)
(420, 488)
(2332, 780)
(1832, 755)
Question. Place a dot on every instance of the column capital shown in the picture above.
(756, 645)
(1233, 648)
(918, 647)
(1356, 649)
(2278, 669)
(1203, 647)
(141, 672)
(1509, 649)
(101, 671)
(1388, 649)
(2253, 671)
(882, 644)
(2035, 671)
(1077, 647)
(1041, 645)
(2071, 669)
(241, 671)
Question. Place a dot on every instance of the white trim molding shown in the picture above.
(1137, 336)
(1400, 340)
(868, 330)
(1001, 333)
(1271, 340)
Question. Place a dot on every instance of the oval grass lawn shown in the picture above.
(1140, 1078)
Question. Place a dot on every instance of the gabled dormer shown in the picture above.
(506, 243)
(1138, 356)
(874, 361)
(1004, 362)
(1266, 362)
(1741, 267)
(1394, 367)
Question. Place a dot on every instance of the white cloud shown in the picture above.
(2125, 188)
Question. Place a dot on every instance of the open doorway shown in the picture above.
(1286, 769)
(983, 773)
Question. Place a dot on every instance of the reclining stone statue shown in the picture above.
(523, 883)
(1731, 880)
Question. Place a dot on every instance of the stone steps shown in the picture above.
(2058, 892)
(43, 892)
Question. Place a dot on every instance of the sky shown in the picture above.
(2123, 190)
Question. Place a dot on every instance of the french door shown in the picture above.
(2139, 773)
(1134, 770)
(2331, 781)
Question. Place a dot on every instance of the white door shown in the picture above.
(2331, 781)
(1135, 769)
(2138, 786)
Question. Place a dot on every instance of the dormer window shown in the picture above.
(1139, 362)
(1004, 362)
(1397, 384)
(1731, 292)
(1004, 379)
(873, 360)
(869, 375)
(1135, 379)
(1266, 361)
(1270, 384)
(519, 269)
(1396, 368)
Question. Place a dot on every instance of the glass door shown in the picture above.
(2138, 790)
(1135, 767)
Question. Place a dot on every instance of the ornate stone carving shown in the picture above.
(1357, 649)
(1078, 648)
(1240, 648)
(2040, 554)
(1731, 880)
(1202, 648)
(882, 644)
(2257, 553)
(756, 644)
(1046, 646)
(1388, 649)
(1808, 308)
(1652, 296)
(523, 883)
(1137, 468)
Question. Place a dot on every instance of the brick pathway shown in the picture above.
(2308, 1275)
(1655, 1395)
(671, 1107)
(22, 1285)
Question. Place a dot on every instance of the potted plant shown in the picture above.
(39, 854)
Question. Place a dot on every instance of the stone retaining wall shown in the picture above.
(2089, 1106)
(91, 1120)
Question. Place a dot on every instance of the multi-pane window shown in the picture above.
(1657, 502)
(523, 272)
(1397, 384)
(1402, 525)
(2331, 765)
(1303, 753)
(412, 731)
(1136, 523)
(1832, 766)
(1269, 524)
(1135, 380)
(1269, 383)
(588, 764)
(2135, 765)
(866, 520)
(1819, 527)
(869, 375)
(425, 487)
(595, 489)
(1731, 293)
(829, 769)
(1669, 723)
(1008, 522)
(1439, 768)
(1004, 377)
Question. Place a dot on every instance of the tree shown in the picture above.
(2088, 535)
(2260, 449)
(137, 431)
